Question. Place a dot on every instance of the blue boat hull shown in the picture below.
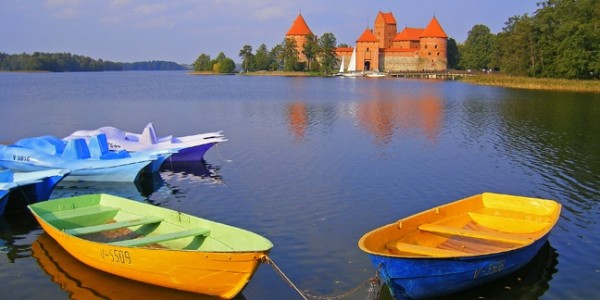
(18, 197)
(195, 153)
(415, 278)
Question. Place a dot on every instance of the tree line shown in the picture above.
(319, 53)
(560, 40)
(67, 62)
(220, 64)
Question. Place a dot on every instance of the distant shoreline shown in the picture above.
(517, 82)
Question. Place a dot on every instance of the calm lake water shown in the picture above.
(313, 164)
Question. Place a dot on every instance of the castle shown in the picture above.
(386, 50)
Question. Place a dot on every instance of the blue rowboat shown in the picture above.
(459, 245)
(17, 190)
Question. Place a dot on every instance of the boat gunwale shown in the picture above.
(553, 218)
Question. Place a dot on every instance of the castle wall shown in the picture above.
(392, 62)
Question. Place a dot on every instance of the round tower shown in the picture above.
(299, 32)
(433, 49)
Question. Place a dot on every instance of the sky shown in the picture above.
(181, 30)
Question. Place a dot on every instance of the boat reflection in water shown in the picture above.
(84, 282)
(15, 230)
(144, 186)
(199, 171)
(529, 282)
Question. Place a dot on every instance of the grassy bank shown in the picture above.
(535, 83)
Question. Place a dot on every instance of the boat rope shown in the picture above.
(218, 149)
(373, 282)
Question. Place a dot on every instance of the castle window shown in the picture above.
(425, 46)
(436, 47)
(429, 53)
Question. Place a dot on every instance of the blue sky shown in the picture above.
(179, 30)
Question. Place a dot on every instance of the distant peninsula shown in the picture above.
(67, 62)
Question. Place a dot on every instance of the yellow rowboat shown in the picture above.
(152, 244)
(459, 245)
(83, 282)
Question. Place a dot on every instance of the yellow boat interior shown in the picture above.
(482, 224)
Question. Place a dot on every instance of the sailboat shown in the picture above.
(341, 71)
(351, 72)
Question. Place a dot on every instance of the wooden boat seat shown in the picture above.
(112, 226)
(484, 235)
(423, 250)
(86, 211)
(162, 237)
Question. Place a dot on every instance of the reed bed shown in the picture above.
(550, 84)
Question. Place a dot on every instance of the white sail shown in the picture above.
(352, 65)
(342, 65)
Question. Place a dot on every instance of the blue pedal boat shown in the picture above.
(17, 190)
(93, 162)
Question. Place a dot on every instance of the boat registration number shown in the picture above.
(491, 268)
(116, 256)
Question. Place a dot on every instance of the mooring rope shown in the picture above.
(218, 149)
(372, 290)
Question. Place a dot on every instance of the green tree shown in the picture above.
(278, 57)
(222, 64)
(289, 55)
(262, 58)
(310, 49)
(477, 49)
(516, 47)
(453, 54)
(327, 57)
(226, 65)
(246, 56)
(203, 63)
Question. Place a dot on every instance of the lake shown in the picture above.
(313, 164)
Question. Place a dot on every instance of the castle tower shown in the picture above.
(299, 32)
(385, 29)
(367, 52)
(433, 49)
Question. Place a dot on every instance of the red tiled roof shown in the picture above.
(299, 27)
(367, 36)
(434, 29)
(388, 17)
(409, 34)
(344, 49)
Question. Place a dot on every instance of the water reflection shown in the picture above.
(137, 190)
(529, 282)
(385, 115)
(84, 282)
(418, 114)
(298, 119)
(14, 231)
(555, 137)
(196, 171)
